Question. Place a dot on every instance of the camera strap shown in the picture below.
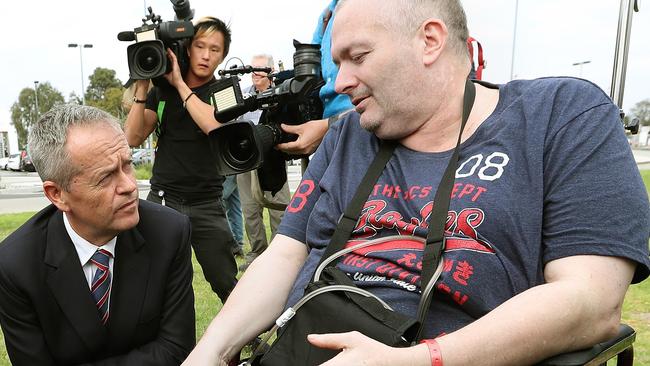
(435, 242)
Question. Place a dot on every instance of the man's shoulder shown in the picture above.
(560, 90)
(26, 246)
(28, 234)
(160, 219)
(159, 213)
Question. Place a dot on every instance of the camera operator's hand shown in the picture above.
(309, 134)
(357, 349)
(174, 77)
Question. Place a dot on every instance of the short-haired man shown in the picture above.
(253, 209)
(184, 175)
(548, 221)
(98, 277)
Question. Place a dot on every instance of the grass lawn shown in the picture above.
(636, 309)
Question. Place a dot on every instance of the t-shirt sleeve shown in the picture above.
(152, 100)
(595, 202)
(296, 216)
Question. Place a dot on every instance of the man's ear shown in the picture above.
(434, 34)
(56, 195)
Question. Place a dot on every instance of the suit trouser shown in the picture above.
(253, 212)
(212, 241)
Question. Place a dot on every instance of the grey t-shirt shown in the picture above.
(548, 175)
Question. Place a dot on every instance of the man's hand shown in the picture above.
(309, 134)
(357, 349)
(174, 77)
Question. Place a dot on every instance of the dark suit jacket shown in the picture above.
(47, 312)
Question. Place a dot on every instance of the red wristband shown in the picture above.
(434, 351)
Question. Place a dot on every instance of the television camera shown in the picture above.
(240, 145)
(147, 58)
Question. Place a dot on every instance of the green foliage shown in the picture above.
(23, 111)
(641, 110)
(143, 171)
(105, 92)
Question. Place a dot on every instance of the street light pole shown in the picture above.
(514, 42)
(81, 65)
(581, 63)
(36, 97)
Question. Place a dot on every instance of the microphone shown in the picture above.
(126, 36)
(243, 70)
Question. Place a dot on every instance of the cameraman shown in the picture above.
(335, 105)
(252, 209)
(184, 172)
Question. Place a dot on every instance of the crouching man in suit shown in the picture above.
(98, 277)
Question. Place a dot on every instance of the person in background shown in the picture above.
(252, 208)
(184, 175)
(232, 204)
(97, 277)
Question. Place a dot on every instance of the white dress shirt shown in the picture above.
(85, 251)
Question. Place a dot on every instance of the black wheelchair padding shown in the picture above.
(599, 354)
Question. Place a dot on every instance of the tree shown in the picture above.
(73, 98)
(105, 92)
(641, 110)
(23, 112)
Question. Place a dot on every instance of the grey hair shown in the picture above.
(267, 57)
(47, 141)
(407, 16)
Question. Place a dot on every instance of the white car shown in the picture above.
(3, 163)
(14, 162)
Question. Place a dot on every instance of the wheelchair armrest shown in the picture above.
(597, 354)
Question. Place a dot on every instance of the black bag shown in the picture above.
(333, 304)
(336, 311)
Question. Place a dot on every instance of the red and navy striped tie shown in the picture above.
(101, 285)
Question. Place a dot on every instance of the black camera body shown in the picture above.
(241, 146)
(147, 58)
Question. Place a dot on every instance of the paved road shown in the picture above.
(22, 191)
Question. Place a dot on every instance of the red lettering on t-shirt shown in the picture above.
(299, 199)
(463, 272)
(468, 220)
(398, 190)
(479, 190)
(467, 189)
(387, 191)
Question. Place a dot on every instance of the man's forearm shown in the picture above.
(134, 126)
(546, 320)
(254, 304)
(202, 113)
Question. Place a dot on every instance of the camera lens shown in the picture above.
(240, 151)
(239, 148)
(306, 60)
(147, 60)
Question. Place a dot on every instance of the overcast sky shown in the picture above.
(551, 36)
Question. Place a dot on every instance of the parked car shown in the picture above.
(142, 156)
(14, 162)
(3, 163)
(26, 163)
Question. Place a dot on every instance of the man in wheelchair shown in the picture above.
(548, 219)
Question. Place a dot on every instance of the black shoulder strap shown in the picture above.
(349, 217)
(436, 236)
